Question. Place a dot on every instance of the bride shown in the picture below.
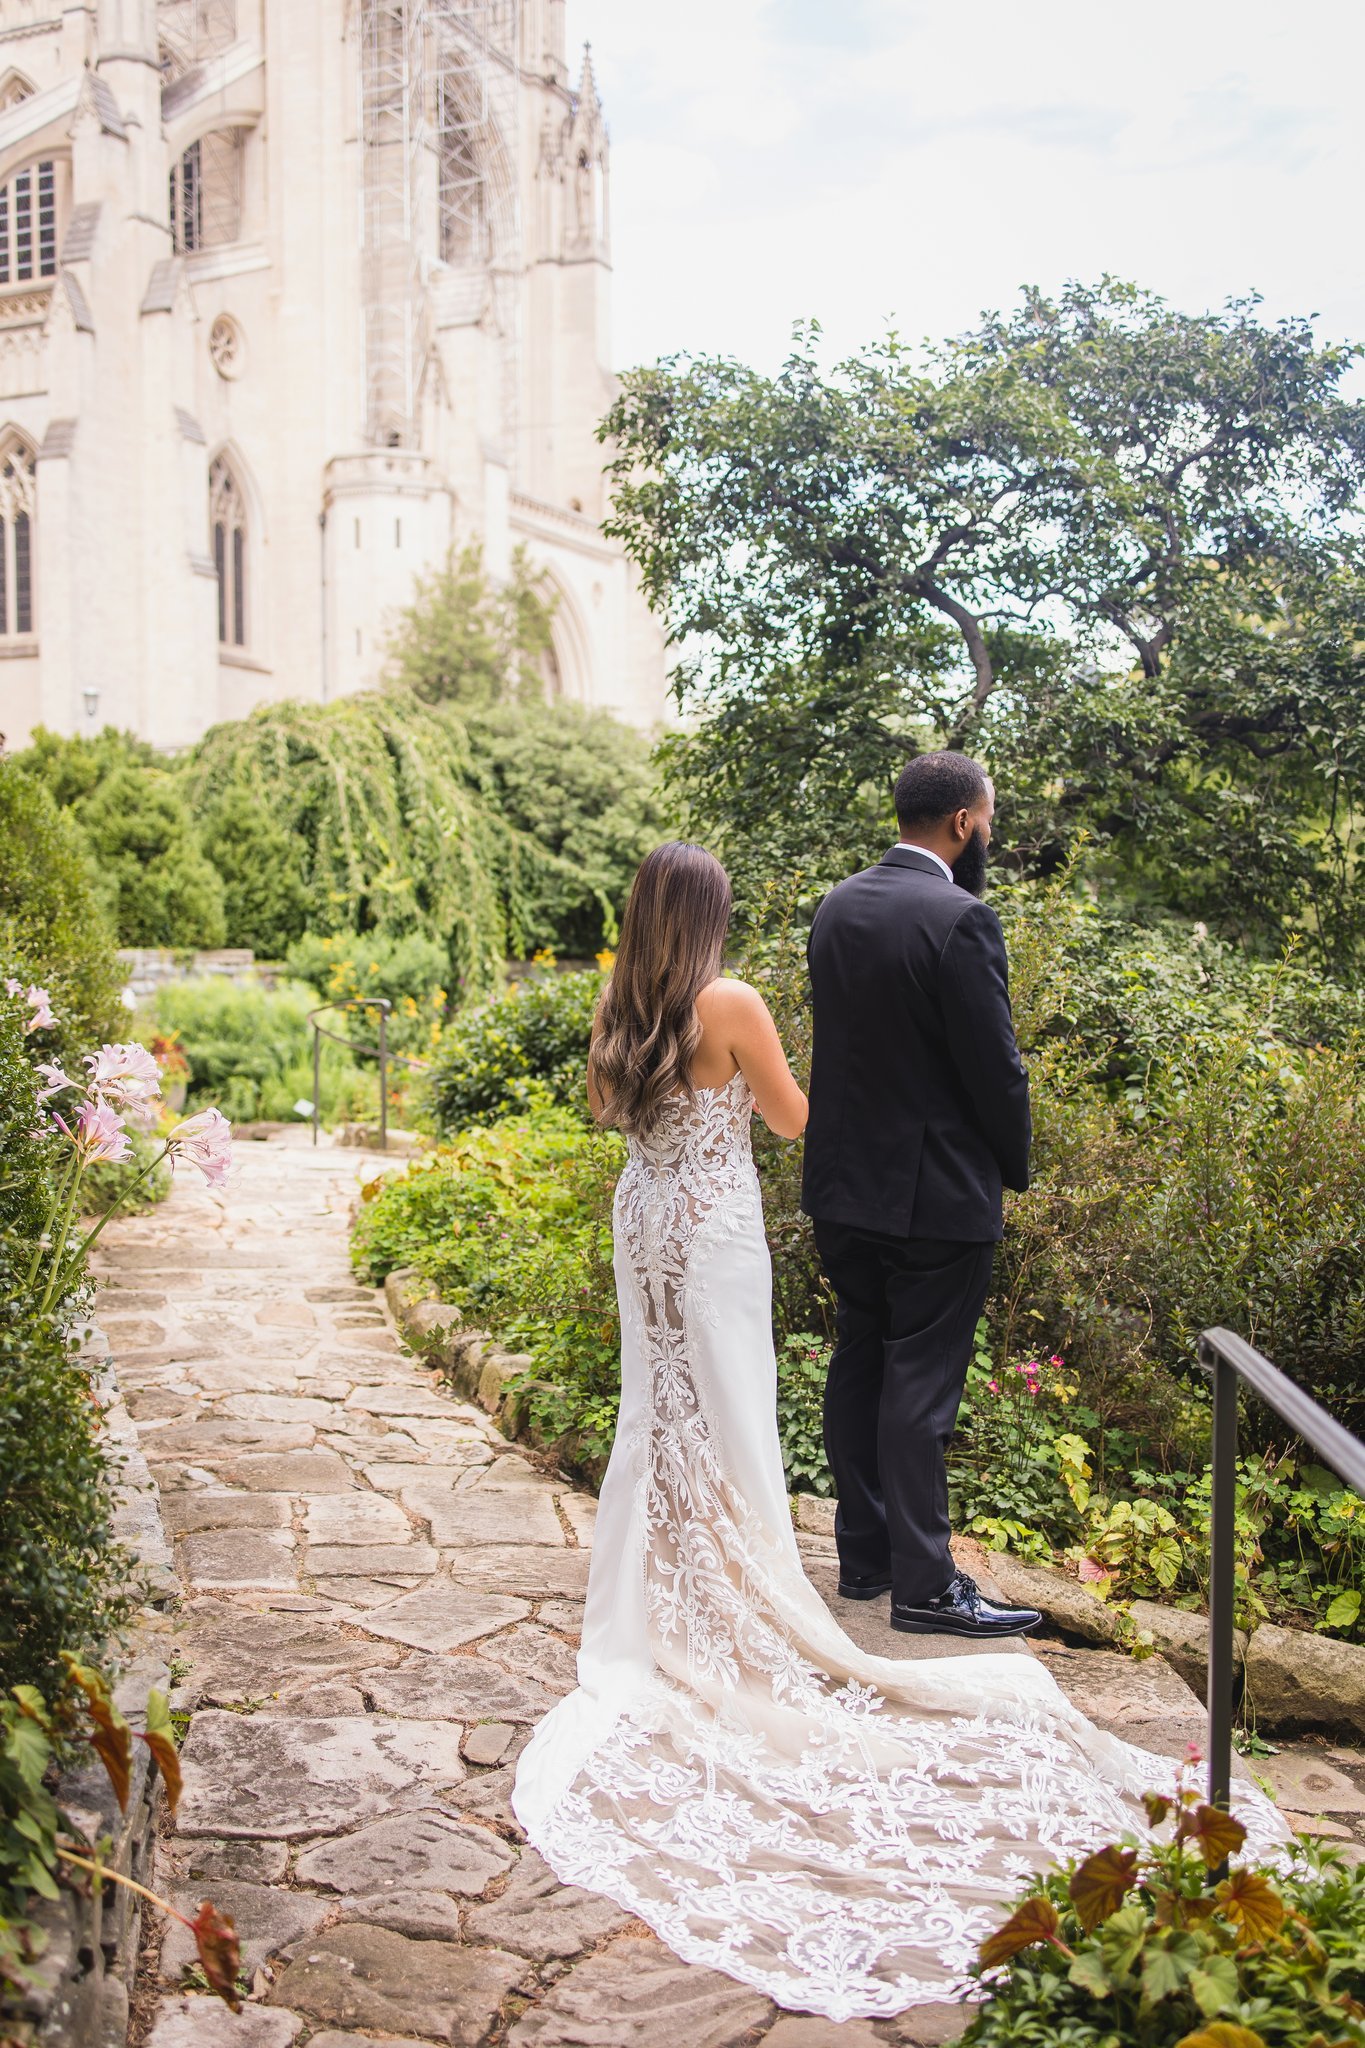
(836, 1829)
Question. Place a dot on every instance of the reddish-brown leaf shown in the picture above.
(1157, 1805)
(159, 1736)
(220, 1952)
(1099, 1885)
(111, 1738)
(1252, 1904)
(1216, 1833)
(1034, 1921)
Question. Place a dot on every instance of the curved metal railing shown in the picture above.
(1228, 1358)
(381, 1051)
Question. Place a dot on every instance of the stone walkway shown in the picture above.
(381, 1596)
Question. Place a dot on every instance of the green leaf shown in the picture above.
(1167, 1964)
(1213, 1986)
(29, 1750)
(1344, 1611)
(1088, 1973)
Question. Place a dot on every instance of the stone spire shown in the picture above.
(587, 96)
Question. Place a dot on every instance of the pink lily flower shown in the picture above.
(205, 1141)
(55, 1078)
(38, 1001)
(99, 1134)
(124, 1073)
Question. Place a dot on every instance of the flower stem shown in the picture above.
(102, 1871)
(60, 1262)
(136, 1182)
(57, 1200)
(82, 1249)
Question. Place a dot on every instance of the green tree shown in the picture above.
(467, 640)
(379, 796)
(583, 786)
(160, 888)
(1100, 542)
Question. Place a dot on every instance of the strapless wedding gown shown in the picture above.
(835, 1829)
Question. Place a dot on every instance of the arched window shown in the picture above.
(227, 516)
(18, 506)
(206, 192)
(28, 224)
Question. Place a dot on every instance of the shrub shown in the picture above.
(260, 865)
(529, 1043)
(64, 1581)
(26, 1183)
(583, 786)
(1131, 1946)
(802, 1364)
(250, 1051)
(409, 971)
(512, 1223)
(52, 930)
(160, 888)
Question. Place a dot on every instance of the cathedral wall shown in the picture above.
(138, 374)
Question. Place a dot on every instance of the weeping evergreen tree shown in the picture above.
(391, 829)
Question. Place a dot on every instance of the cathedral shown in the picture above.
(295, 297)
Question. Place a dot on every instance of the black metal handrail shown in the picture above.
(404, 1059)
(1228, 1359)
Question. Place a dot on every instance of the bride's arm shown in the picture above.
(743, 1020)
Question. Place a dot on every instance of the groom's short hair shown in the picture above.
(933, 786)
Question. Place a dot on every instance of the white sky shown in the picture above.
(893, 162)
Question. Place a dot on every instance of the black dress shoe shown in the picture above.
(963, 1610)
(864, 1589)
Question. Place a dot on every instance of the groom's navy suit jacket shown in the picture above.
(919, 1103)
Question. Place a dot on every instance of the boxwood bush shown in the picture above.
(528, 1044)
(52, 929)
(65, 1583)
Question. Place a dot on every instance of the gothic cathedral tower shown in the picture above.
(293, 300)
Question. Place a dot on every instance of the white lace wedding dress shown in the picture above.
(836, 1829)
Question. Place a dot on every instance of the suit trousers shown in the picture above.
(907, 1312)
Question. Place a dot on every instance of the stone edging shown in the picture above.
(1292, 1679)
(479, 1368)
(84, 1978)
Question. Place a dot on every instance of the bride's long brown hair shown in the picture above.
(672, 945)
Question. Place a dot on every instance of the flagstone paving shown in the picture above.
(381, 1596)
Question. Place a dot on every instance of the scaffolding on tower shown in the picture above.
(393, 134)
(191, 30)
(439, 120)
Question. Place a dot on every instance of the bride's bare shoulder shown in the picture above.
(727, 999)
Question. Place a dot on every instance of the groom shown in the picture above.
(919, 1112)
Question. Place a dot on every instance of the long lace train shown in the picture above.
(836, 1829)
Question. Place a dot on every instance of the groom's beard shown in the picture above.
(969, 869)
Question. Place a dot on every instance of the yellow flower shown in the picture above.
(438, 1000)
(606, 959)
